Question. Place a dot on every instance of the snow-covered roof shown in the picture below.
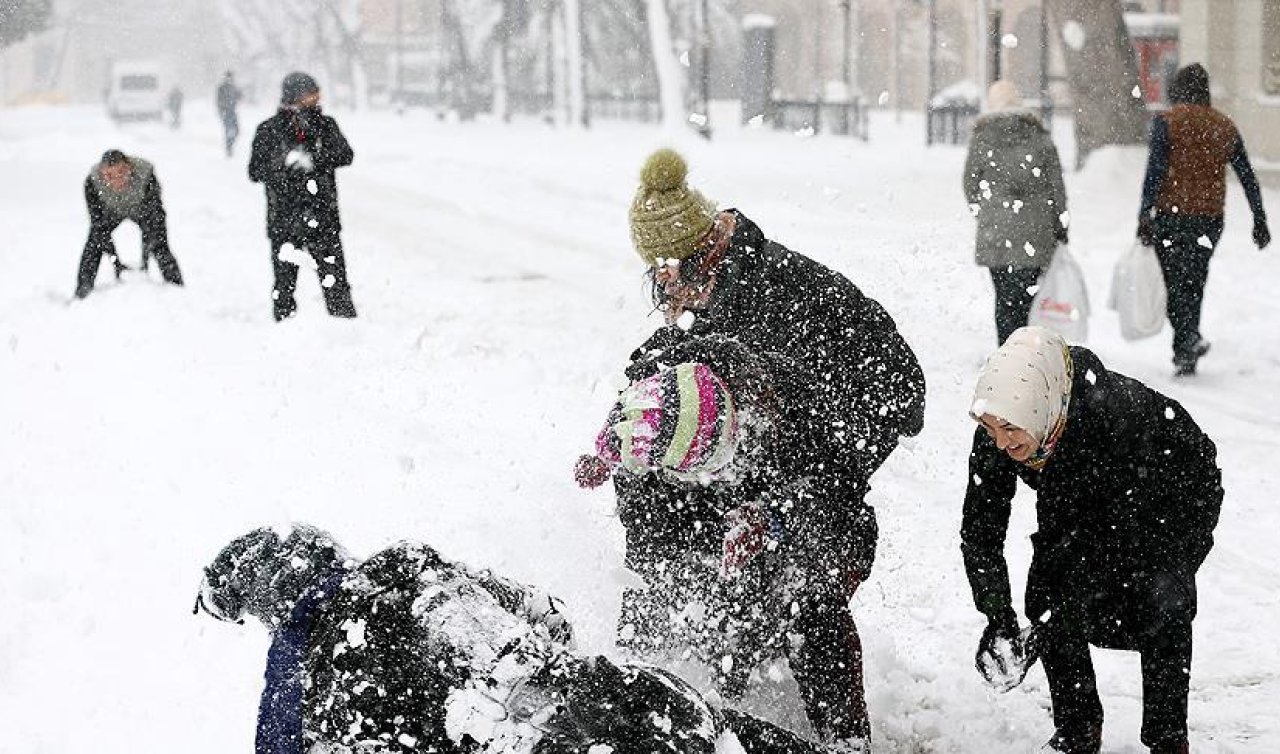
(1153, 24)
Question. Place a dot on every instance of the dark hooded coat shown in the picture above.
(1130, 494)
(1013, 180)
(296, 212)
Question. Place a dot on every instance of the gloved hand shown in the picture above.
(120, 267)
(749, 529)
(591, 471)
(299, 159)
(1005, 654)
(1261, 233)
(1146, 230)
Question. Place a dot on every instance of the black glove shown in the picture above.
(121, 267)
(1060, 235)
(1003, 626)
(645, 359)
(1146, 231)
(1003, 656)
(1261, 234)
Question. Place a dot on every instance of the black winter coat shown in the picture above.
(1131, 493)
(868, 388)
(294, 211)
(402, 631)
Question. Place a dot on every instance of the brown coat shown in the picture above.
(1201, 143)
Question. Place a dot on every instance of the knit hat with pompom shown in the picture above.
(680, 421)
(667, 217)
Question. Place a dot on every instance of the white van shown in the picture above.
(135, 91)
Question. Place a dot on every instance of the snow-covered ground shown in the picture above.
(143, 428)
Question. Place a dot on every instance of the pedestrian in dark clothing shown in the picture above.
(1183, 197)
(175, 108)
(718, 270)
(410, 652)
(122, 188)
(1013, 183)
(228, 97)
(295, 154)
(1127, 497)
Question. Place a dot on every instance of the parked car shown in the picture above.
(135, 91)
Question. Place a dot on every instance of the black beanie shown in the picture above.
(295, 86)
(1190, 86)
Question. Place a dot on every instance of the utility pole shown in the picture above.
(846, 68)
(997, 43)
(398, 98)
(704, 58)
(932, 87)
(897, 61)
(1046, 102)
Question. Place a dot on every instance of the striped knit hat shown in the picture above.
(680, 420)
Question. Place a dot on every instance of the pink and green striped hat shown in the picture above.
(680, 420)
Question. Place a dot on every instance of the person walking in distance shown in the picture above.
(1013, 184)
(295, 154)
(1183, 197)
(228, 98)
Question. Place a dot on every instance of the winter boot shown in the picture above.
(1076, 741)
(1185, 365)
(849, 746)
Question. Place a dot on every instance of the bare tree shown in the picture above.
(1102, 73)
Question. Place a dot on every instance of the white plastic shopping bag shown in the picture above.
(1138, 293)
(1062, 300)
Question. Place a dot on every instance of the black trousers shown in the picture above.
(1014, 292)
(1184, 246)
(325, 249)
(800, 590)
(155, 245)
(1153, 620)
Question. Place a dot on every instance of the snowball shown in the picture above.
(1205, 242)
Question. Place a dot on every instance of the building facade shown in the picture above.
(1239, 42)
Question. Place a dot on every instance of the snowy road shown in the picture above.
(143, 428)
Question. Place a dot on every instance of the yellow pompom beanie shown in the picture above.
(667, 217)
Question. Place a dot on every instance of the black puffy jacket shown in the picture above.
(300, 203)
(867, 386)
(1132, 490)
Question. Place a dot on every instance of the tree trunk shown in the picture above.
(1102, 72)
(671, 80)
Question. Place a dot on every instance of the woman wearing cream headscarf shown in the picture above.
(1127, 495)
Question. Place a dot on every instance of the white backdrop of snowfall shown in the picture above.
(143, 428)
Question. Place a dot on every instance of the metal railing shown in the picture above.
(815, 116)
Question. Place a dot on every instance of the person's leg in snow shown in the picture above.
(1184, 247)
(1073, 690)
(285, 274)
(155, 244)
(1013, 296)
(331, 267)
(98, 244)
(835, 556)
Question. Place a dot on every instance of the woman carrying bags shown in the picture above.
(1013, 184)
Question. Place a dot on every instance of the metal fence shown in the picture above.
(816, 116)
(951, 122)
